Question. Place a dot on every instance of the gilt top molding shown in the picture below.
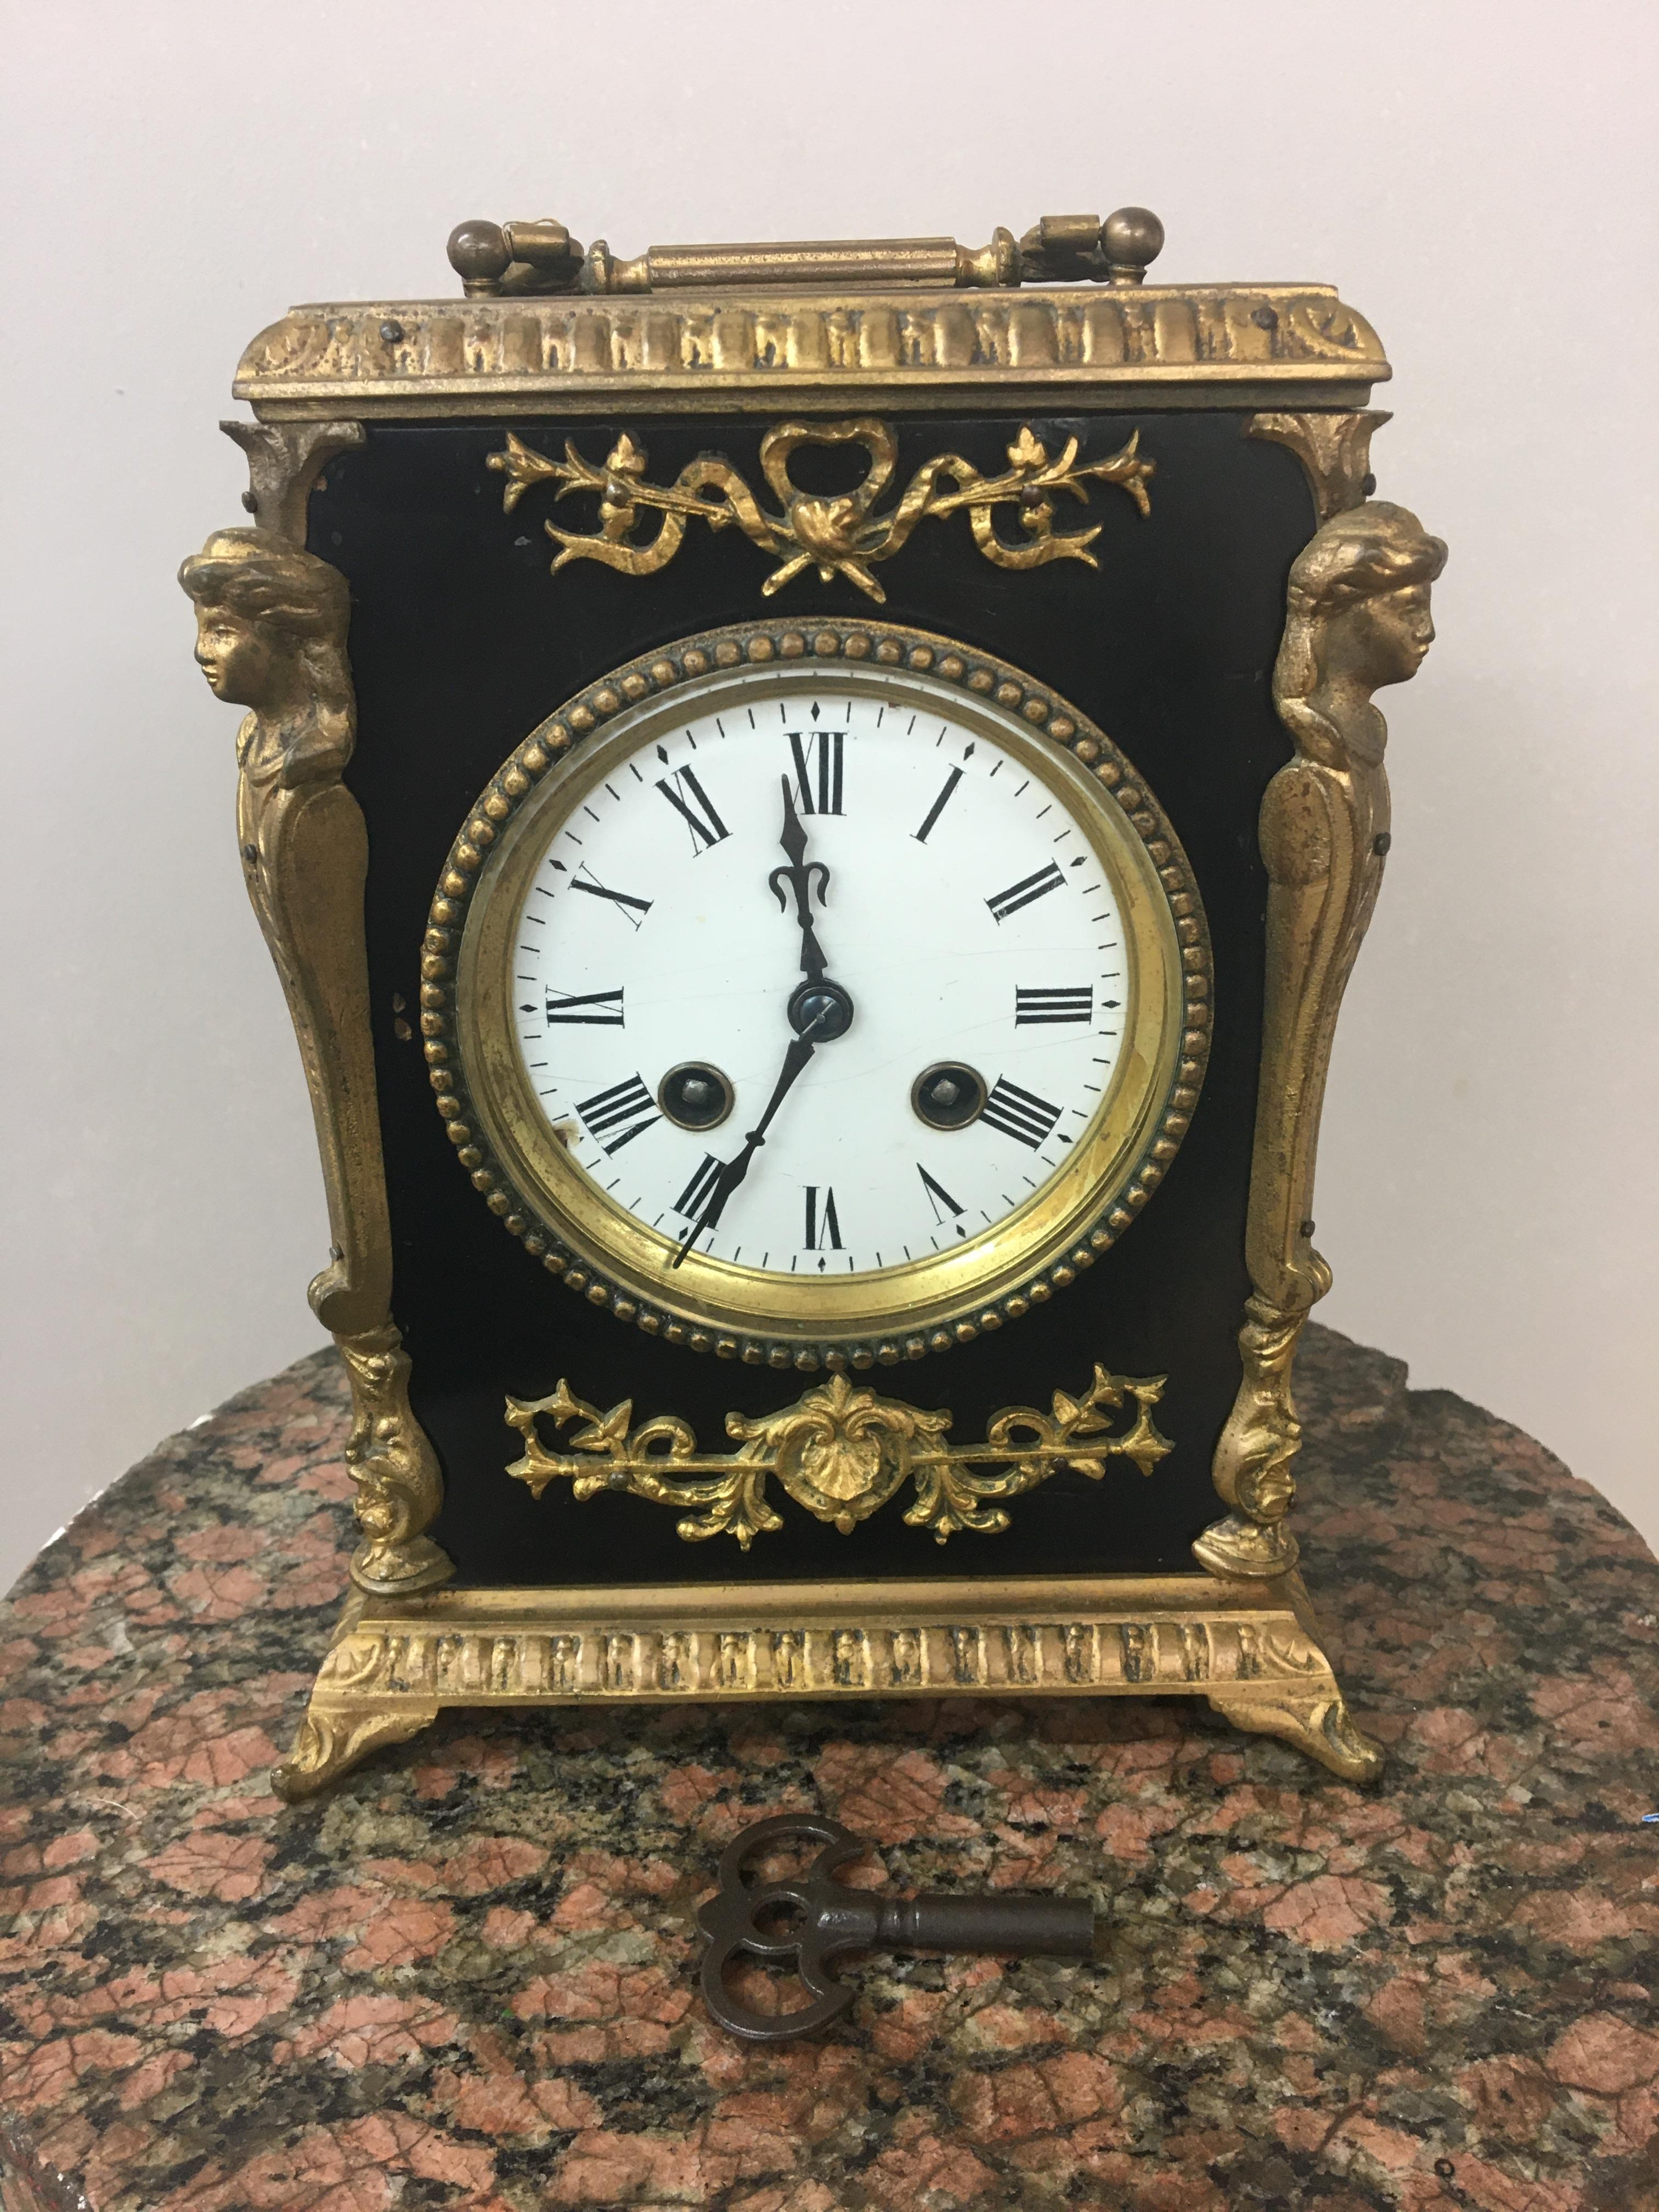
(1208, 345)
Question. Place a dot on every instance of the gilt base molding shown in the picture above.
(1249, 1647)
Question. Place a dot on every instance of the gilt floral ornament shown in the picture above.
(837, 536)
(841, 1452)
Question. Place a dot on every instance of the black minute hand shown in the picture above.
(800, 1051)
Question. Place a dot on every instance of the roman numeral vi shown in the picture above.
(823, 1226)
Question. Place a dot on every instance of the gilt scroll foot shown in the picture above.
(1315, 1720)
(330, 1743)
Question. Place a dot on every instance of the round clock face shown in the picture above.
(824, 1005)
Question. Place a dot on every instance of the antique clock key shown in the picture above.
(814, 807)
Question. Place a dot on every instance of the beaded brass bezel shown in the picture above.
(547, 1201)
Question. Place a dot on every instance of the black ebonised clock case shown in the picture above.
(461, 643)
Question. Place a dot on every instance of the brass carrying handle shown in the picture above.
(516, 258)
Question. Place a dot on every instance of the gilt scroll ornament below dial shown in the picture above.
(841, 1452)
(837, 536)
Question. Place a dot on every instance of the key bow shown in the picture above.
(825, 1916)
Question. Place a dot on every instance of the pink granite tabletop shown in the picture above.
(463, 1979)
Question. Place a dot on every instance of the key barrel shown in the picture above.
(1040, 1926)
(841, 1919)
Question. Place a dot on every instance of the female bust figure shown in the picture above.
(270, 625)
(271, 635)
(1357, 619)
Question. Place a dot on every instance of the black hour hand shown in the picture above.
(798, 876)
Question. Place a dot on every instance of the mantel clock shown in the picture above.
(813, 805)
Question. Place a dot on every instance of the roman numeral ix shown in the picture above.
(817, 769)
(603, 1009)
(1047, 879)
(683, 792)
(626, 1107)
(1019, 1114)
(1064, 1005)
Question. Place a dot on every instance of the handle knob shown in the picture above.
(1132, 238)
(478, 254)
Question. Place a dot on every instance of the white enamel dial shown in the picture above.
(822, 1012)
(963, 907)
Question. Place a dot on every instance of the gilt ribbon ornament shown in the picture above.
(842, 1451)
(839, 536)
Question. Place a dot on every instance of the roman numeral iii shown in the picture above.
(684, 793)
(1047, 879)
(1065, 1003)
(604, 1009)
(817, 770)
(1020, 1114)
(626, 1107)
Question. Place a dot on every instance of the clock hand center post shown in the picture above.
(819, 1011)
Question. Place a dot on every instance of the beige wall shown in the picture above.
(1478, 179)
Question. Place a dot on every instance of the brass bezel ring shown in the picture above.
(544, 1198)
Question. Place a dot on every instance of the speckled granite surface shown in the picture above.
(463, 1980)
